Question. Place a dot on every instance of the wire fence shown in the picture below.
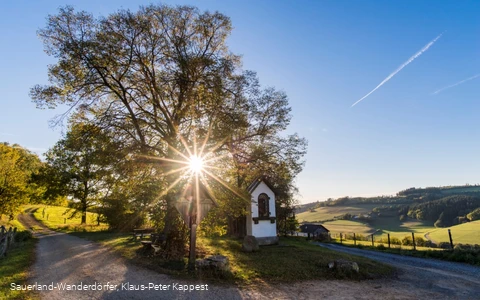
(442, 239)
(7, 238)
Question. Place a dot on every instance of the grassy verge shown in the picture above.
(294, 259)
(14, 267)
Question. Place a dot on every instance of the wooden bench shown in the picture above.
(142, 233)
(156, 242)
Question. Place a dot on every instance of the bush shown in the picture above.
(23, 236)
(119, 217)
(419, 241)
(407, 241)
(444, 245)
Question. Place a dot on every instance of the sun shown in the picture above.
(196, 164)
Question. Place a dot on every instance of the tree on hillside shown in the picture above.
(164, 81)
(17, 165)
(474, 215)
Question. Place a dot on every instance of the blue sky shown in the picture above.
(325, 55)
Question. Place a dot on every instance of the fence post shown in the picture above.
(48, 216)
(413, 241)
(354, 239)
(450, 236)
(341, 242)
(13, 235)
(8, 239)
(373, 245)
(388, 240)
(4, 240)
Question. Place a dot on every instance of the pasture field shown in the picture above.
(400, 229)
(346, 226)
(329, 212)
(57, 217)
(467, 233)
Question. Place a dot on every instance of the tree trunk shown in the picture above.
(84, 212)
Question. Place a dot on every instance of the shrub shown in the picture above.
(419, 241)
(444, 245)
(407, 241)
(324, 237)
(23, 236)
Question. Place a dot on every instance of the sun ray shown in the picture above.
(163, 193)
(209, 188)
(226, 185)
(178, 152)
(176, 170)
(165, 159)
(207, 137)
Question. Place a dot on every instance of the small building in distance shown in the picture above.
(313, 229)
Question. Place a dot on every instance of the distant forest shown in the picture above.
(445, 206)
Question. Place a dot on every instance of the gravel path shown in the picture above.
(69, 260)
(451, 279)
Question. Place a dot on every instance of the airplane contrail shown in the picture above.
(425, 48)
(455, 84)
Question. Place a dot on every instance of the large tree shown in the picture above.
(163, 79)
(81, 166)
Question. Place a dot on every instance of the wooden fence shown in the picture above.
(7, 239)
(385, 240)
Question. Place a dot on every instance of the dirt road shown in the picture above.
(65, 261)
(455, 280)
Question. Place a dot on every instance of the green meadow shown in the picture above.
(58, 218)
(330, 212)
(468, 233)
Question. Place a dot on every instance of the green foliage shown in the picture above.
(80, 165)
(444, 211)
(17, 166)
(474, 215)
(214, 224)
(23, 236)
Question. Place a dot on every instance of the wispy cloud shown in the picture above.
(7, 134)
(455, 84)
(425, 48)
